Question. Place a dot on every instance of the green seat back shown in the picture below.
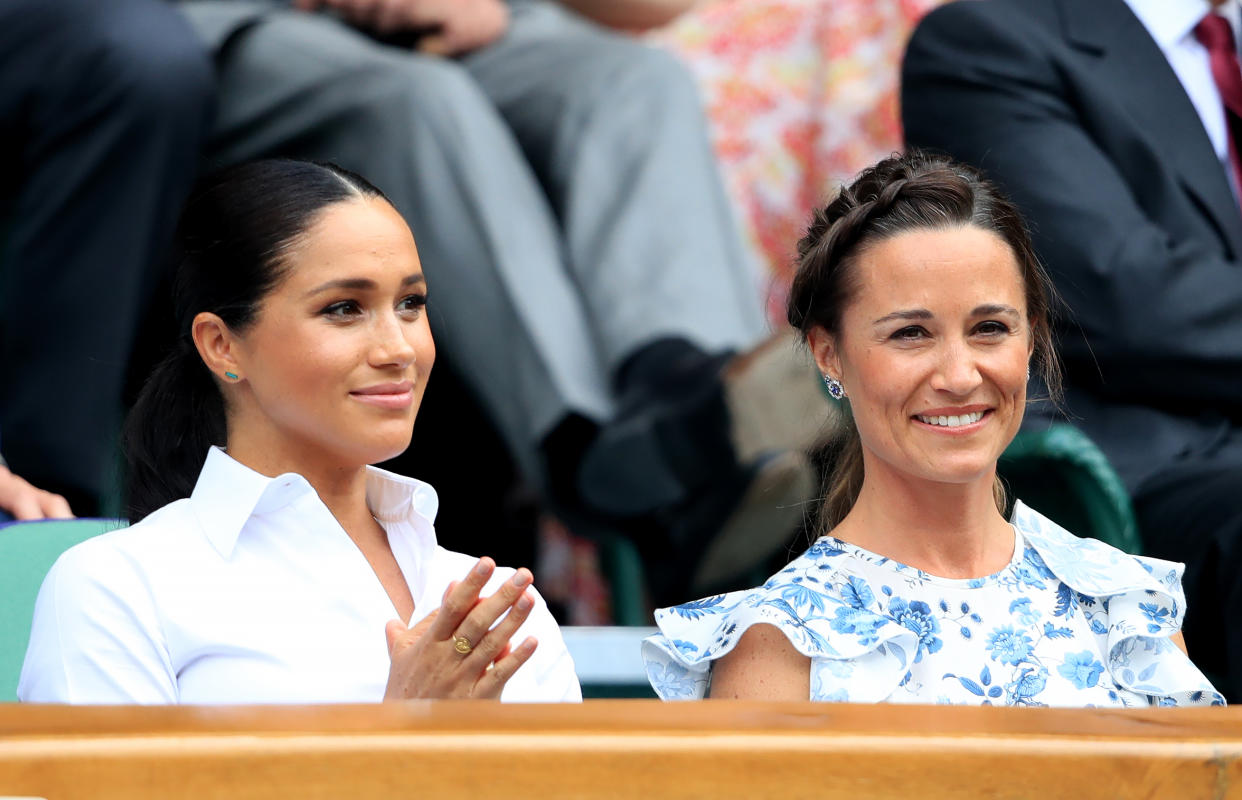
(1060, 473)
(27, 552)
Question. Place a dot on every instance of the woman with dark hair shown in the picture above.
(268, 563)
(925, 308)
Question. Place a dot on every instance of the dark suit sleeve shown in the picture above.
(1162, 316)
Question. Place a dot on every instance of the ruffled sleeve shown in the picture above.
(1145, 604)
(858, 654)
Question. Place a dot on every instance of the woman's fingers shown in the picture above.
(492, 645)
(460, 598)
(393, 630)
(54, 506)
(26, 502)
(480, 620)
(463, 649)
(400, 635)
(493, 680)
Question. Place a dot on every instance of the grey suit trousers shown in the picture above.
(559, 183)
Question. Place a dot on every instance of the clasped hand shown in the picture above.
(453, 27)
(460, 650)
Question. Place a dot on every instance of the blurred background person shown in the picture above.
(104, 111)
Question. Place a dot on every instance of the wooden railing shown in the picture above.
(618, 748)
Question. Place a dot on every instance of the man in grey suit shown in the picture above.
(1104, 122)
(587, 276)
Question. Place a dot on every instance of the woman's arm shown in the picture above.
(763, 666)
(96, 636)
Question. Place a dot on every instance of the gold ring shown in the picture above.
(462, 645)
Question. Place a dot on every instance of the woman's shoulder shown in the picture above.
(165, 528)
(1090, 566)
(821, 605)
(1138, 604)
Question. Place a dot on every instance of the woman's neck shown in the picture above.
(948, 530)
(341, 487)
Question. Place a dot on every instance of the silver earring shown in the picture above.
(835, 389)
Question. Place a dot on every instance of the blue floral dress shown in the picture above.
(1069, 622)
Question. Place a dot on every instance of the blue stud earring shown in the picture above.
(835, 389)
(231, 376)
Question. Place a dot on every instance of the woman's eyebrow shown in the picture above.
(994, 308)
(362, 284)
(913, 313)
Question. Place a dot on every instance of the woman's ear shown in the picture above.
(217, 346)
(824, 349)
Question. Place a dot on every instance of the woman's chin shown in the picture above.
(377, 450)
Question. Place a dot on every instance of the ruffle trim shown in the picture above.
(1136, 589)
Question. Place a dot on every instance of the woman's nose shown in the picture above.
(392, 345)
(958, 371)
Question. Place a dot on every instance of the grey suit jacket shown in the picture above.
(1074, 110)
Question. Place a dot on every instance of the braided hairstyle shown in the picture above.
(914, 191)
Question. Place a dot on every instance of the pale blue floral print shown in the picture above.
(1009, 646)
(917, 616)
(1082, 669)
(1069, 622)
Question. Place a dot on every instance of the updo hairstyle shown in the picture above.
(914, 191)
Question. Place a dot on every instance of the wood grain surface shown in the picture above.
(621, 748)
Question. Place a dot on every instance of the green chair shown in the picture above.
(27, 552)
(1060, 473)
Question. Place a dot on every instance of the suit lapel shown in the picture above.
(1130, 62)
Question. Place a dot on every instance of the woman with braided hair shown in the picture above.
(926, 309)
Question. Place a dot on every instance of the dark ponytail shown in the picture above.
(914, 191)
(232, 241)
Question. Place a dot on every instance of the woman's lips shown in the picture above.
(386, 395)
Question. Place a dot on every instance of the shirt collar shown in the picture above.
(228, 494)
(1170, 21)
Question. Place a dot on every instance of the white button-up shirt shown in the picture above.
(249, 591)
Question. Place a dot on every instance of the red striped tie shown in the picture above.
(1215, 34)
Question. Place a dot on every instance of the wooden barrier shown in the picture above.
(617, 748)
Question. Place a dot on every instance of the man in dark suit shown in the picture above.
(104, 109)
(1103, 120)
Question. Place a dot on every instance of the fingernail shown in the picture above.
(521, 580)
(480, 568)
(524, 603)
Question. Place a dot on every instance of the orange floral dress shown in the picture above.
(802, 94)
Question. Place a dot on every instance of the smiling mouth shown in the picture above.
(953, 421)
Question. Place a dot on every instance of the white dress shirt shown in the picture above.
(1172, 24)
(249, 591)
